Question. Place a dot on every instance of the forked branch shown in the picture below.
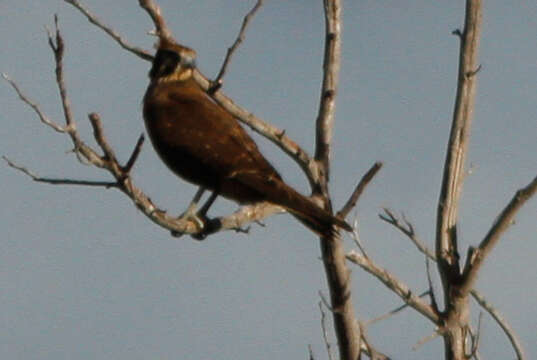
(121, 173)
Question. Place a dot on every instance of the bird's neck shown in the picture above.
(177, 76)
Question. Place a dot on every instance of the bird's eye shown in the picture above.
(164, 64)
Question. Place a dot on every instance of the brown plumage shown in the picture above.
(205, 145)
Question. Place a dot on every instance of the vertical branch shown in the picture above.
(457, 308)
(446, 246)
(331, 66)
(333, 255)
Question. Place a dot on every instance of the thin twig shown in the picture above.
(325, 334)
(161, 29)
(505, 219)
(366, 346)
(57, 181)
(481, 300)
(396, 285)
(426, 339)
(217, 83)
(57, 45)
(134, 156)
(507, 329)
(310, 352)
(432, 296)
(406, 229)
(394, 311)
(356, 238)
(44, 119)
(474, 353)
(116, 36)
(98, 134)
(274, 134)
(364, 181)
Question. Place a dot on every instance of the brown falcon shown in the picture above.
(205, 145)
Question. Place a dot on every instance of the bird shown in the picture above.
(205, 145)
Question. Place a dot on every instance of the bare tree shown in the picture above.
(452, 323)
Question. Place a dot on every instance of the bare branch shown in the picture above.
(44, 119)
(99, 136)
(396, 285)
(426, 339)
(481, 300)
(90, 155)
(366, 179)
(446, 246)
(58, 47)
(57, 181)
(310, 352)
(327, 105)
(153, 10)
(276, 135)
(406, 229)
(356, 238)
(394, 311)
(474, 353)
(509, 332)
(113, 34)
(134, 156)
(271, 132)
(432, 296)
(235, 221)
(325, 334)
(476, 257)
(217, 83)
(333, 254)
(242, 217)
(366, 346)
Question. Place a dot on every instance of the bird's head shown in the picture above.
(172, 62)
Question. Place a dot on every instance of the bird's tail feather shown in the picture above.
(311, 215)
(305, 210)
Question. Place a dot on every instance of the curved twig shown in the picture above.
(217, 83)
(116, 36)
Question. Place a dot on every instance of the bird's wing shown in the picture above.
(216, 138)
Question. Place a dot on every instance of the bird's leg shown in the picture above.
(191, 212)
(203, 211)
(209, 226)
(199, 216)
(194, 203)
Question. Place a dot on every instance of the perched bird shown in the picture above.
(205, 145)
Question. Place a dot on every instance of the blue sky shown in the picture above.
(84, 275)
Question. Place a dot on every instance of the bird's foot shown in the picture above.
(204, 225)
(210, 227)
(191, 214)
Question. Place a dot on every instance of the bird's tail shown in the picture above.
(308, 213)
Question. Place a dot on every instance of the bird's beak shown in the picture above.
(188, 61)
